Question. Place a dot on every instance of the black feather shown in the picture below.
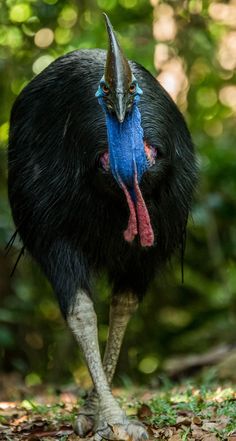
(69, 212)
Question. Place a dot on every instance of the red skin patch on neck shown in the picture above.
(139, 219)
(144, 224)
(132, 229)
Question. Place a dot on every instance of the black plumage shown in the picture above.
(69, 212)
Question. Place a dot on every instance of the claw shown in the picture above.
(105, 432)
(97, 437)
(128, 431)
(137, 431)
(120, 432)
(83, 425)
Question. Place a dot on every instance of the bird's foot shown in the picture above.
(84, 424)
(87, 416)
(125, 431)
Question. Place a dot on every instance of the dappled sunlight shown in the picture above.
(174, 80)
(164, 26)
(195, 6)
(213, 128)
(68, 16)
(223, 12)
(41, 63)
(199, 71)
(170, 68)
(44, 37)
(227, 96)
(227, 51)
(161, 55)
(20, 12)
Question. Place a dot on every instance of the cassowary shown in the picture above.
(101, 176)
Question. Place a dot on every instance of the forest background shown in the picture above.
(190, 46)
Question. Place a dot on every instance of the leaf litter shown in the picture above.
(173, 413)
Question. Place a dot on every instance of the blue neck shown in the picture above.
(126, 147)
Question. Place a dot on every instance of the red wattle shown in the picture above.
(144, 224)
(139, 220)
(131, 230)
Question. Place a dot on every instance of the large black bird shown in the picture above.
(101, 176)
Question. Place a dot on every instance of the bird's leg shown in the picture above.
(121, 309)
(82, 320)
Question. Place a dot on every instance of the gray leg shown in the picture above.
(82, 321)
(121, 309)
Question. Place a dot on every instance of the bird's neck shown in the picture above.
(126, 147)
(128, 162)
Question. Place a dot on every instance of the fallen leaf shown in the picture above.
(10, 412)
(197, 420)
(73, 437)
(218, 424)
(20, 420)
(168, 433)
(38, 434)
(155, 432)
(183, 412)
(144, 412)
(182, 421)
(175, 437)
(30, 426)
(7, 405)
(197, 434)
(210, 438)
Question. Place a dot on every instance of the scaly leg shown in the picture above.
(121, 309)
(82, 320)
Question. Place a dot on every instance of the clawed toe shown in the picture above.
(83, 424)
(105, 432)
(137, 431)
(130, 431)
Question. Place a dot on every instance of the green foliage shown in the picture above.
(209, 402)
(173, 318)
(174, 412)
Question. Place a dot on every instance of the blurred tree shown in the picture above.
(191, 48)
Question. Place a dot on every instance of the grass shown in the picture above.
(215, 404)
(173, 412)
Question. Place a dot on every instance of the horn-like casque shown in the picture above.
(118, 74)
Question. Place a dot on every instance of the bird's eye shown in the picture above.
(132, 88)
(105, 89)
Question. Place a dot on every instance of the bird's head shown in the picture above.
(118, 89)
(118, 93)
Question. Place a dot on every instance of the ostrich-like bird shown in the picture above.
(101, 176)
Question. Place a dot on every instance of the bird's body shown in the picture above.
(71, 198)
(62, 197)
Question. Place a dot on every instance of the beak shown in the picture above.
(120, 106)
(117, 72)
